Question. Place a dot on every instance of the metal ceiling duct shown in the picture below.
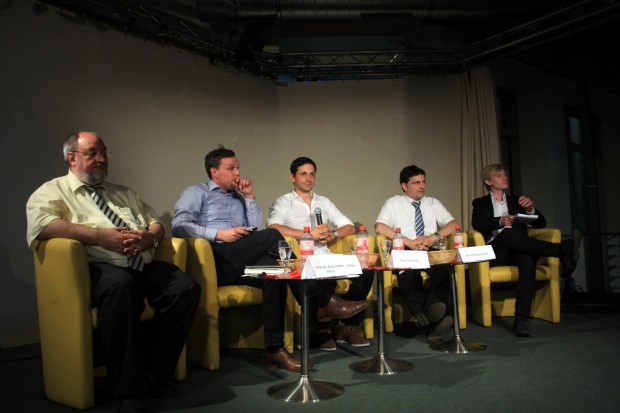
(213, 10)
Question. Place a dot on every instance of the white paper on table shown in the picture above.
(476, 254)
(333, 265)
(409, 259)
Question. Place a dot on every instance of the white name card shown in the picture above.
(409, 259)
(332, 265)
(476, 254)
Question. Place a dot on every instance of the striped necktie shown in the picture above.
(419, 222)
(135, 261)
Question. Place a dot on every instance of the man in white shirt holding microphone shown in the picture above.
(301, 208)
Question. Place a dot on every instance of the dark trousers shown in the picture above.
(515, 247)
(132, 348)
(418, 298)
(258, 248)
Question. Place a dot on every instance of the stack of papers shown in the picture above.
(523, 218)
(264, 269)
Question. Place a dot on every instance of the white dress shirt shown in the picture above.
(292, 211)
(398, 211)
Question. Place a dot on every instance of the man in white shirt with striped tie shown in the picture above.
(423, 221)
(119, 232)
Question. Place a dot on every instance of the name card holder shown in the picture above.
(476, 254)
(409, 259)
(332, 265)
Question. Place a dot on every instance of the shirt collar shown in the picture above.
(297, 196)
(495, 201)
(411, 200)
(213, 187)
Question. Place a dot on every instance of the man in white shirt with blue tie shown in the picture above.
(423, 222)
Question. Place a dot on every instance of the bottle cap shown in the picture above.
(362, 228)
(306, 229)
(397, 229)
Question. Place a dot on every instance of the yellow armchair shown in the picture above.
(396, 309)
(488, 302)
(340, 246)
(67, 318)
(227, 317)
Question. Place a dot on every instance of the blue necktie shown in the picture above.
(419, 222)
(136, 262)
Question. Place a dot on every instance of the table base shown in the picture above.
(305, 390)
(458, 345)
(381, 364)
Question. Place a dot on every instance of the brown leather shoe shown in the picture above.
(339, 308)
(282, 359)
(346, 335)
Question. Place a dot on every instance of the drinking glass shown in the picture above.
(284, 248)
(386, 248)
(441, 244)
(353, 246)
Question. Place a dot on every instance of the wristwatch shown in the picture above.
(436, 234)
(335, 234)
(155, 240)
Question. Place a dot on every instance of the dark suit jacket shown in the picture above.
(483, 221)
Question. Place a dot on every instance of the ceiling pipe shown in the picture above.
(214, 10)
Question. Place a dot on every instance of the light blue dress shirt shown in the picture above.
(204, 208)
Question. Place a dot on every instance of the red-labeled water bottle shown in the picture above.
(361, 248)
(398, 242)
(458, 237)
(306, 246)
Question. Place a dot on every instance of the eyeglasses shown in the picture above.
(94, 154)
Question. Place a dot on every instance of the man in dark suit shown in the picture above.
(495, 217)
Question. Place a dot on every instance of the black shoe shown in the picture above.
(522, 327)
(567, 255)
(323, 340)
(130, 405)
(159, 388)
(432, 314)
(438, 330)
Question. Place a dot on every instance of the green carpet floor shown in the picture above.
(569, 367)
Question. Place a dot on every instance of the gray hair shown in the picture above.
(70, 143)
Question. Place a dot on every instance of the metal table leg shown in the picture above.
(381, 364)
(305, 389)
(457, 344)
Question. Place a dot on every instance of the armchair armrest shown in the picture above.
(63, 298)
(172, 250)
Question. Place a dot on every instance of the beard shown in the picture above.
(93, 178)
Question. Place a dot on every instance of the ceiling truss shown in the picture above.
(138, 18)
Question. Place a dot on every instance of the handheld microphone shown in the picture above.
(319, 218)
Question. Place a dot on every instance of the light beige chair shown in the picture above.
(67, 318)
(228, 317)
(341, 246)
(396, 309)
(488, 302)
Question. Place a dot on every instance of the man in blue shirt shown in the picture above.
(220, 211)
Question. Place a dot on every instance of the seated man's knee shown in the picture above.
(273, 234)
